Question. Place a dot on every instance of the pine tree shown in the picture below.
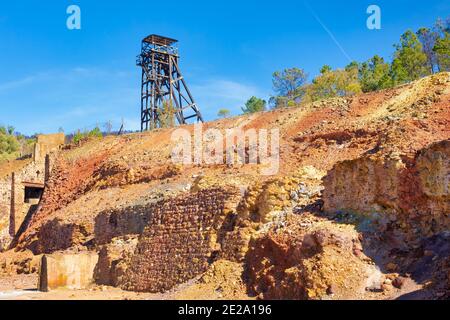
(428, 40)
(410, 62)
(223, 113)
(374, 74)
(254, 104)
(289, 87)
(442, 49)
(337, 83)
(442, 45)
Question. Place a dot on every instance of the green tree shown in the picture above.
(78, 137)
(326, 68)
(11, 130)
(442, 25)
(223, 113)
(337, 83)
(254, 104)
(428, 38)
(442, 47)
(442, 50)
(354, 65)
(410, 62)
(374, 74)
(9, 144)
(289, 85)
(95, 133)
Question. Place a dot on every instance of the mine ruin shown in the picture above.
(359, 208)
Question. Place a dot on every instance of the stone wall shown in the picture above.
(130, 221)
(46, 144)
(414, 193)
(57, 235)
(5, 204)
(181, 238)
(34, 172)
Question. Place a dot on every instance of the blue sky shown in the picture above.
(52, 77)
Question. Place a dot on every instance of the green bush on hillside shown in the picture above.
(80, 136)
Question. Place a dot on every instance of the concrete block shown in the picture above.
(70, 271)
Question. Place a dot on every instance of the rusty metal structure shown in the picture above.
(163, 88)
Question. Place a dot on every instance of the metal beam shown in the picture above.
(162, 84)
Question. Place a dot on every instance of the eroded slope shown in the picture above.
(382, 154)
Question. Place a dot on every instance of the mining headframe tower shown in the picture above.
(163, 88)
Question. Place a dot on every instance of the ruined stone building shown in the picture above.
(22, 185)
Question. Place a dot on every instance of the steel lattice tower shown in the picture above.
(163, 87)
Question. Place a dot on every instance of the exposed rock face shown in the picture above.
(56, 235)
(265, 206)
(433, 166)
(363, 185)
(279, 193)
(309, 262)
(223, 280)
(19, 263)
(413, 192)
(123, 222)
(114, 260)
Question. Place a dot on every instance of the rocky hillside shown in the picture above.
(359, 209)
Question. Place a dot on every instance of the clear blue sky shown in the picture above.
(52, 77)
